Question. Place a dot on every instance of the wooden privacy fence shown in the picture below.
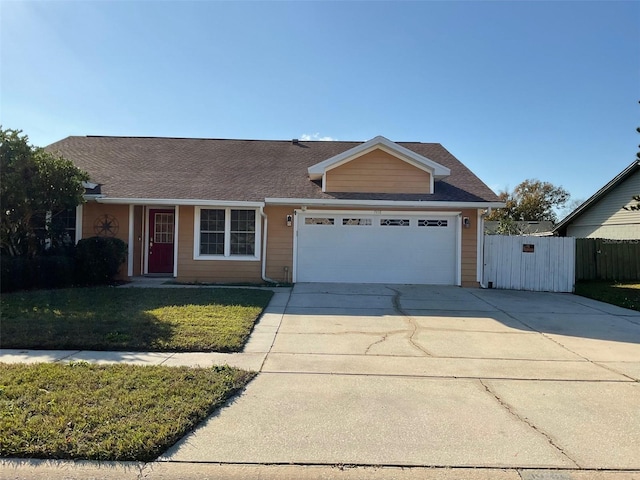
(602, 259)
(542, 264)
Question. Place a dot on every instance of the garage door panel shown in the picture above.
(359, 249)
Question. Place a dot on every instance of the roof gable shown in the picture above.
(377, 171)
(436, 170)
(634, 167)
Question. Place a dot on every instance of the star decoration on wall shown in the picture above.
(105, 225)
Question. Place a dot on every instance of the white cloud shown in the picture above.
(316, 136)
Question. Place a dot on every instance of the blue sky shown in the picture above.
(515, 90)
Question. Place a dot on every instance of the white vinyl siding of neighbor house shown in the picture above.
(607, 218)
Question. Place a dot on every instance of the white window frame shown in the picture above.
(77, 228)
(227, 235)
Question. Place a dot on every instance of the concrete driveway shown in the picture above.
(405, 375)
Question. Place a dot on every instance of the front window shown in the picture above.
(55, 229)
(212, 232)
(226, 233)
(243, 232)
(65, 223)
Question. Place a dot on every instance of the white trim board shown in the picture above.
(171, 202)
(378, 212)
(176, 219)
(332, 202)
(131, 237)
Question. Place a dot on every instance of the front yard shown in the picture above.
(117, 412)
(625, 295)
(132, 319)
(96, 412)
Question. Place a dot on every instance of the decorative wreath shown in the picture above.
(106, 225)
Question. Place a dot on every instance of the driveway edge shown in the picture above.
(24, 469)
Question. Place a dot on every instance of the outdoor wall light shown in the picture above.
(466, 222)
(289, 220)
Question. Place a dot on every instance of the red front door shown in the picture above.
(161, 232)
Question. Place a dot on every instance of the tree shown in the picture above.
(33, 182)
(531, 200)
(570, 207)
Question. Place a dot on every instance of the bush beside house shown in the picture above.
(95, 261)
(98, 259)
(36, 189)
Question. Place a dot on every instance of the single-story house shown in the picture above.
(604, 215)
(213, 210)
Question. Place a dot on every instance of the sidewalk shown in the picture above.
(252, 356)
(16, 469)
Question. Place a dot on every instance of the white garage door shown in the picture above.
(395, 248)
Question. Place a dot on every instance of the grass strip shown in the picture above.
(626, 295)
(98, 412)
(131, 319)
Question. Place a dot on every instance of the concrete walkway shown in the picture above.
(374, 381)
(251, 358)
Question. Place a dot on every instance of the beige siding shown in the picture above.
(607, 218)
(377, 172)
(92, 213)
(469, 257)
(218, 271)
(279, 244)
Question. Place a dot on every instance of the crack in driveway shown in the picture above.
(524, 420)
(414, 326)
(383, 339)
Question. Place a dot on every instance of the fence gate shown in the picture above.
(541, 264)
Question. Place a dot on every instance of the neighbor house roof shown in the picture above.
(523, 227)
(240, 170)
(596, 197)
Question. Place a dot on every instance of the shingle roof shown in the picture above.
(561, 227)
(238, 170)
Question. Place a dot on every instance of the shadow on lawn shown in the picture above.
(129, 319)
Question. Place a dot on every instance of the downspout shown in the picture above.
(264, 249)
(484, 214)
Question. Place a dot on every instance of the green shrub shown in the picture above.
(44, 271)
(98, 259)
(16, 273)
(55, 271)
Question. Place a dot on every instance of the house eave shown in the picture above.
(179, 201)
(315, 202)
(92, 197)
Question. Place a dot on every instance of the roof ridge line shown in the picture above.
(155, 137)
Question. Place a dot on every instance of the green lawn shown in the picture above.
(131, 319)
(625, 295)
(116, 412)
